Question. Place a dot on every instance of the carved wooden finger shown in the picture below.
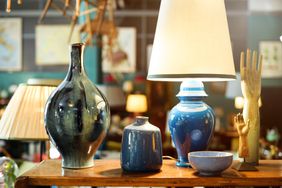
(242, 59)
(254, 62)
(248, 59)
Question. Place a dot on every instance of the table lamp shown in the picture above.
(136, 103)
(191, 44)
(23, 118)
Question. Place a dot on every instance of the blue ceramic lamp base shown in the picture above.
(183, 164)
(191, 121)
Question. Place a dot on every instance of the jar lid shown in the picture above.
(192, 88)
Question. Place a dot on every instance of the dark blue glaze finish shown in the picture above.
(191, 121)
(77, 115)
(141, 146)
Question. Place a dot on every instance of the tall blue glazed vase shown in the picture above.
(77, 115)
(191, 121)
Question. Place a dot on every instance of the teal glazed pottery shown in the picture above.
(141, 147)
(210, 163)
(191, 121)
(77, 115)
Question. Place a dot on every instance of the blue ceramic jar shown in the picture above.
(141, 146)
(77, 115)
(191, 121)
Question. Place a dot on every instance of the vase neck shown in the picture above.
(76, 57)
(141, 120)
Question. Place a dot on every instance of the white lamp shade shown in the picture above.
(23, 118)
(136, 103)
(192, 41)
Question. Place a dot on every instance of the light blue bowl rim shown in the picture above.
(222, 154)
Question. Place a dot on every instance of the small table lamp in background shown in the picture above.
(23, 118)
(191, 44)
(136, 103)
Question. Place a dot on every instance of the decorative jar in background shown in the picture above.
(141, 146)
(77, 115)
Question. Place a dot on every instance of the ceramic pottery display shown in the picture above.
(191, 121)
(141, 146)
(77, 115)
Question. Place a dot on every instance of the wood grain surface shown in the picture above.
(109, 173)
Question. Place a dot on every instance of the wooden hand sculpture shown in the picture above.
(251, 88)
(243, 130)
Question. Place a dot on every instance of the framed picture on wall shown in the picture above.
(272, 59)
(10, 44)
(52, 46)
(121, 56)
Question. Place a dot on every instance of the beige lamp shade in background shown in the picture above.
(191, 41)
(136, 103)
(23, 118)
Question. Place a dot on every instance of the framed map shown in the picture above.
(10, 44)
(52, 46)
(122, 56)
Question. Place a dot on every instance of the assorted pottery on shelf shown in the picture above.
(77, 117)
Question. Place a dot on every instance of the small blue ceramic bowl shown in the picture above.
(210, 163)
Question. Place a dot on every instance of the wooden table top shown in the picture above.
(109, 173)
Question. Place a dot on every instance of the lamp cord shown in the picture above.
(169, 157)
